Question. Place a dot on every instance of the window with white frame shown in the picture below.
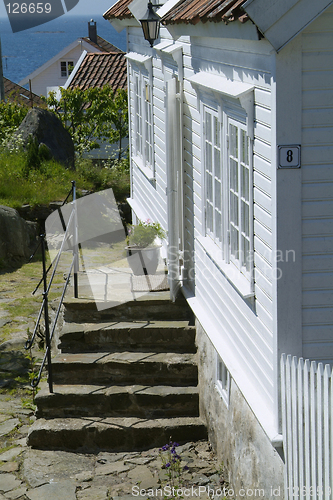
(143, 123)
(222, 379)
(66, 67)
(228, 184)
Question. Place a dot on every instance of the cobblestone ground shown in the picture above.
(31, 474)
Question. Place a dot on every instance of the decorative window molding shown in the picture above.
(227, 177)
(142, 97)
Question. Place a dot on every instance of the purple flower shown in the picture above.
(185, 467)
(167, 465)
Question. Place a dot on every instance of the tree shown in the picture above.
(11, 116)
(91, 115)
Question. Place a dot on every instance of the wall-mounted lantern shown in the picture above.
(151, 24)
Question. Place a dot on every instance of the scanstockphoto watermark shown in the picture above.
(198, 491)
(23, 15)
(272, 264)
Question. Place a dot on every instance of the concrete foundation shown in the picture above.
(255, 468)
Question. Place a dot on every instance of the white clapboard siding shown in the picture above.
(317, 187)
(249, 335)
(307, 415)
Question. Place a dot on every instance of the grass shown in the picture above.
(51, 181)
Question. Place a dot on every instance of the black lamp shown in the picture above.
(150, 24)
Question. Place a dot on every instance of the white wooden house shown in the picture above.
(55, 72)
(231, 135)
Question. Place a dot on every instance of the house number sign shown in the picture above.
(289, 156)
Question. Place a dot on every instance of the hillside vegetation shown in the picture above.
(23, 182)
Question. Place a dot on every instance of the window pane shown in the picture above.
(234, 242)
(246, 253)
(245, 183)
(245, 152)
(217, 162)
(233, 141)
(245, 218)
(234, 175)
(216, 132)
(208, 127)
(218, 195)
(218, 225)
(209, 221)
(209, 181)
(209, 157)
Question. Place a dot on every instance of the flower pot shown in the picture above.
(143, 260)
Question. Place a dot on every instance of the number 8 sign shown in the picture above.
(289, 156)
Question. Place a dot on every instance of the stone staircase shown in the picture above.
(125, 378)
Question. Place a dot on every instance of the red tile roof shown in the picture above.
(189, 11)
(99, 69)
(119, 10)
(14, 92)
(193, 11)
(102, 44)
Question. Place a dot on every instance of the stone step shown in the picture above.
(159, 336)
(154, 306)
(117, 401)
(113, 434)
(125, 368)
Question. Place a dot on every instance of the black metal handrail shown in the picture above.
(47, 287)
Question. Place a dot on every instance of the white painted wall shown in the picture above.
(317, 188)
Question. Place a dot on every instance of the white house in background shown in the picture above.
(231, 136)
(55, 72)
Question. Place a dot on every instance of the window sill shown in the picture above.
(239, 282)
(147, 171)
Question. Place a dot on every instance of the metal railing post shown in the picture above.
(46, 317)
(75, 244)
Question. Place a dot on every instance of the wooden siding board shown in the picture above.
(317, 262)
(317, 245)
(318, 281)
(263, 233)
(318, 209)
(317, 190)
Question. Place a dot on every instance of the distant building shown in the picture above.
(55, 72)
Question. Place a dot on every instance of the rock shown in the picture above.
(17, 237)
(9, 455)
(8, 426)
(49, 131)
(8, 482)
(94, 493)
(142, 475)
(53, 491)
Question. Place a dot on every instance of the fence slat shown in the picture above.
(307, 435)
(284, 420)
(319, 377)
(294, 423)
(289, 450)
(326, 422)
(307, 413)
(313, 426)
(300, 402)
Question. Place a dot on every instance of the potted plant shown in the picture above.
(142, 249)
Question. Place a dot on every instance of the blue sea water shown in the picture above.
(25, 51)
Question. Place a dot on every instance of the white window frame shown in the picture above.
(143, 123)
(68, 71)
(228, 112)
(222, 380)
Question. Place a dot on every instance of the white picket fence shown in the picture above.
(307, 426)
